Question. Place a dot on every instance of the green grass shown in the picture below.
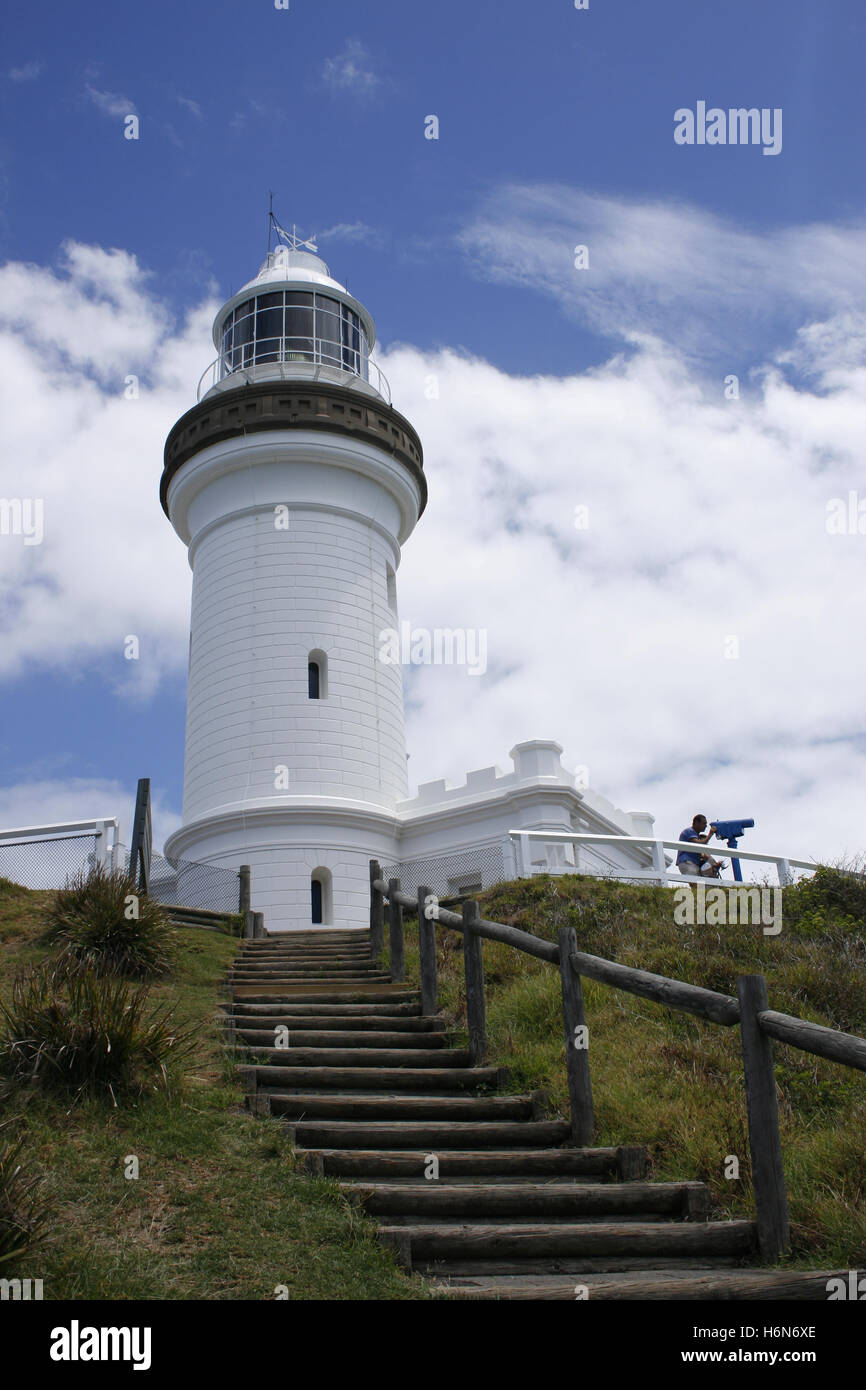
(219, 1210)
(669, 1080)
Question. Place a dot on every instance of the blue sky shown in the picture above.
(556, 128)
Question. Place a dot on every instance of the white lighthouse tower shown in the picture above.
(294, 483)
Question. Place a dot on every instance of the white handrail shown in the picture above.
(70, 827)
(656, 847)
(104, 829)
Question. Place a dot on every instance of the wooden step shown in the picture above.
(467, 1163)
(696, 1282)
(331, 960)
(687, 1200)
(351, 980)
(293, 941)
(197, 914)
(379, 1013)
(303, 1037)
(361, 960)
(341, 966)
(367, 1057)
(334, 936)
(376, 994)
(312, 1105)
(434, 1136)
(357, 1027)
(375, 1080)
(428, 1244)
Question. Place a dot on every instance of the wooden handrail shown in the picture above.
(494, 931)
(845, 1048)
(758, 1026)
(675, 994)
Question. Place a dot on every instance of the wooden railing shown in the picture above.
(758, 1023)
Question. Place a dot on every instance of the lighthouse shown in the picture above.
(294, 483)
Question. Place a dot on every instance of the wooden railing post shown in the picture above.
(377, 912)
(576, 1040)
(395, 930)
(427, 950)
(244, 899)
(765, 1144)
(249, 925)
(476, 1012)
(259, 924)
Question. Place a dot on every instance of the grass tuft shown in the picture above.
(25, 1210)
(102, 921)
(80, 1033)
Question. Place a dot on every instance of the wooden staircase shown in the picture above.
(478, 1190)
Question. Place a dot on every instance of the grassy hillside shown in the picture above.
(218, 1211)
(671, 1081)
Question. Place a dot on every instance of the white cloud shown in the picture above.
(28, 72)
(54, 801)
(111, 103)
(191, 106)
(596, 637)
(351, 70)
(253, 108)
(109, 565)
(698, 280)
(353, 231)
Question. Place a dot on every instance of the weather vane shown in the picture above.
(290, 239)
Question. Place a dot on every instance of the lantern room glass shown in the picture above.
(294, 326)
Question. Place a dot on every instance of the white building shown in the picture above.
(294, 484)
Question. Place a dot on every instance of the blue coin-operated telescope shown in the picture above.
(731, 830)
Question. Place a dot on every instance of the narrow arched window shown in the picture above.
(317, 674)
(321, 897)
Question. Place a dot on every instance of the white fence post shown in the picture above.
(509, 858)
(100, 844)
(659, 862)
(525, 857)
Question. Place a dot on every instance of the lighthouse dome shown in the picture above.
(304, 266)
(293, 320)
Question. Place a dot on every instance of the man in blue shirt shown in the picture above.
(699, 865)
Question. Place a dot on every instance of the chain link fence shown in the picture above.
(47, 863)
(450, 875)
(184, 883)
(50, 863)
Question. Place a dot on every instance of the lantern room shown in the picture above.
(293, 320)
